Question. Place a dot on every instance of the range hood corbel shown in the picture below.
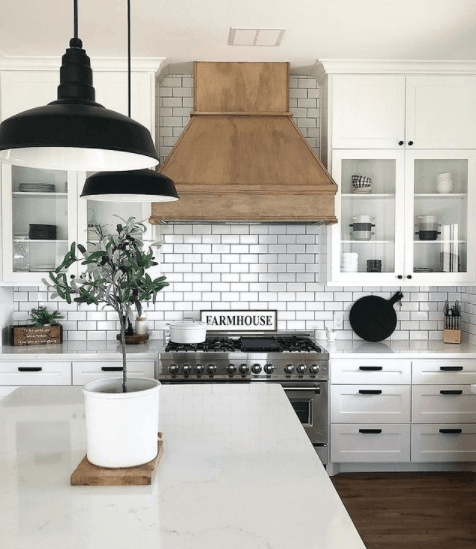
(242, 158)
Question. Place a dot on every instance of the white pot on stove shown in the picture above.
(188, 331)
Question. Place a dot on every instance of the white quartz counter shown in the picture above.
(71, 350)
(238, 472)
(402, 349)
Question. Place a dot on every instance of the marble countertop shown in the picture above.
(238, 472)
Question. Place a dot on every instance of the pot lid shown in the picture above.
(188, 324)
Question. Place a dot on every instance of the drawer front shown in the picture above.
(376, 442)
(84, 372)
(440, 372)
(443, 442)
(35, 373)
(372, 370)
(443, 404)
(370, 403)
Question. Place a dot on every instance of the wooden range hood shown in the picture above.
(242, 157)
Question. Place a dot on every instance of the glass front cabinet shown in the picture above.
(43, 214)
(39, 222)
(405, 218)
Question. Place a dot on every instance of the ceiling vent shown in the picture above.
(255, 37)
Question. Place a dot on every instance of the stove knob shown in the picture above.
(269, 368)
(314, 369)
(186, 369)
(173, 369)
(199, 368)
(256, 368)
(301, 368)
(244, 369)
(211, 369)
(289, 369)
(231, 369)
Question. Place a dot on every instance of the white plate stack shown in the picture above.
(350, 262)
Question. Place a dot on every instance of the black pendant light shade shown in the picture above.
(74, 132)
(130, 186)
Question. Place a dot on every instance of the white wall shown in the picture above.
(6, 312)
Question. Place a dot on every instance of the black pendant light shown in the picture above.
(132, 185)
(74, 132)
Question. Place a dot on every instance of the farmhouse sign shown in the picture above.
(240, 321)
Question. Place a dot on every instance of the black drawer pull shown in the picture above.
(30, 368)
(370, 431)
(112, 368)
(370, 392)
(451, 368)
(370, 368)
(451, 392)
(451, 431)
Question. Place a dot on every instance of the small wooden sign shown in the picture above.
(240, 321)
(26, 334)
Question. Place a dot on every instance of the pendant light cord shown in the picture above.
(75, 42)
(75, 19)
(129, 57)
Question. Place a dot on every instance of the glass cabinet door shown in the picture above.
(367, 242)
(37, 221)
(438, 222)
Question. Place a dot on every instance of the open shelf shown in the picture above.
(441, 195)
(42, 195)
(37, 240)
(367, 195)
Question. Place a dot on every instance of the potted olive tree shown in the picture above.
(121, 414)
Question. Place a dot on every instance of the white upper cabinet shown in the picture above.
(441, 112)
(368, 111)
(22, 90)
(397, 111)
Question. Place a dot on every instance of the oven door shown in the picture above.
(309, 401)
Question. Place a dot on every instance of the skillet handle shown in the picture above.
(397, 297)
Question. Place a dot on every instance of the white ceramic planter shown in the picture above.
(122, 428)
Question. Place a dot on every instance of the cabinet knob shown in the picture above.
(399, 277)
(410, 143)
(400, 143)
(409, 276)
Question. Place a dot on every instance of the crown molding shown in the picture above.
(53, 63)
(390, 66)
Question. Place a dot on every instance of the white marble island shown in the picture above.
(238, 472)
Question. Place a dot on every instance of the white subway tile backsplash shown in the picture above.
(267, 266)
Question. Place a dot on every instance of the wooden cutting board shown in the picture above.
(87, 474)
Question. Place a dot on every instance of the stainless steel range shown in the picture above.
(292, 359)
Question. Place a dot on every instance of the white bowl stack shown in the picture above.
(350, 262)
(444, 183)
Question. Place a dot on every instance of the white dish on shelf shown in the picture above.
(362, 190)
(43, 268)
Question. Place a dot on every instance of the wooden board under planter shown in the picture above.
(27, 334)
(135, 339)
(87, 474)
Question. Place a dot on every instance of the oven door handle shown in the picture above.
(316, 390)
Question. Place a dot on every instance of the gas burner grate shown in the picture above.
(298, 344)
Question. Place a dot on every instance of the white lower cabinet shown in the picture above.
(443, 404)
(35, 373)
(443, 442)
(370, 403)
(430, 418)
(376, 442)
(86, 371)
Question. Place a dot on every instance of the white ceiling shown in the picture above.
(187, 30)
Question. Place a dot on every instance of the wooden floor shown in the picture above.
(411, 510)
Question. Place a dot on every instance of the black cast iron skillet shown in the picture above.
(373, 318)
